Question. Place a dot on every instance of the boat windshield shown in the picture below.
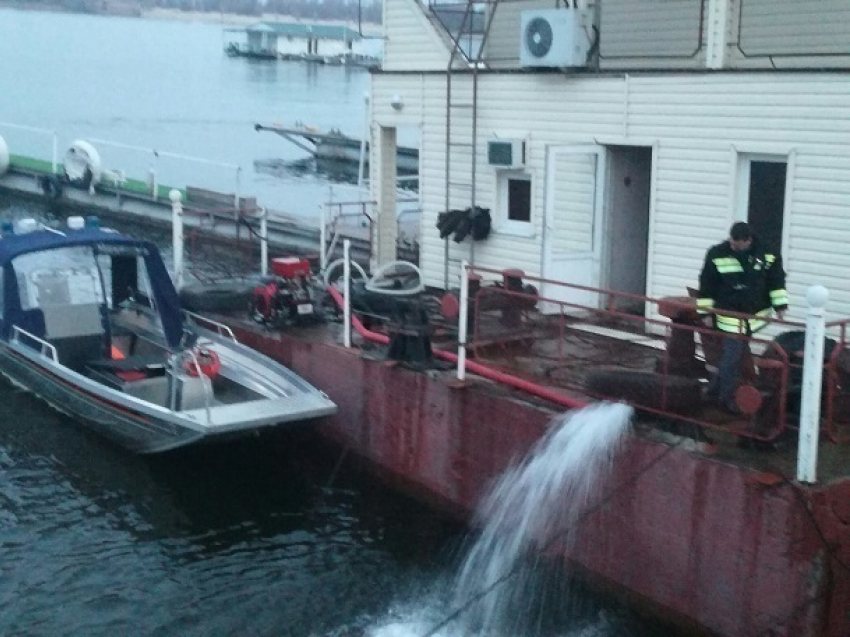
(58, 278)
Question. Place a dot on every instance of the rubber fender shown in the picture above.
(51, 186)
(646, 389)
(217, 297)
(794, 344)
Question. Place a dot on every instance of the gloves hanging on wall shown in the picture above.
(473, 222)
(447, 222)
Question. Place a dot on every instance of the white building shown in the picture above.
(291, 39)
(635, 133)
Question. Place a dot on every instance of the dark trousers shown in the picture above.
(726, 381)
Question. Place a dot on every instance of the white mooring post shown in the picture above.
(807, 454)
(462, 320)
(323, 239)
(177, 235)
(264, 241)
(346, 308)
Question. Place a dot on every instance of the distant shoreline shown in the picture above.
(209, 17)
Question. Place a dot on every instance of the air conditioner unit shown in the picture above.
(554, 37)
(506, 153)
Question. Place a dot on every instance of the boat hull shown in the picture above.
(146, 428)
(133, 429)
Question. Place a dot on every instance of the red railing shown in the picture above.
(653, 353)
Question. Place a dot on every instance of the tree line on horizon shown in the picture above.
(350, 10)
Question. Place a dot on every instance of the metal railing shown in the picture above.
(654, 353)
(46, 347)
(220, 328)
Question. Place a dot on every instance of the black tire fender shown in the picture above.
(221, 297)
(51, 186)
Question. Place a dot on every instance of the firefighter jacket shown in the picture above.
(749, 282)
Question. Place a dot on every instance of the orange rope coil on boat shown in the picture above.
(209, 364)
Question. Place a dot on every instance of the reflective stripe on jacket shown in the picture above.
(750, 282)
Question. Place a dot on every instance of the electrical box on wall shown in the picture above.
(554, 37)
(506, 153)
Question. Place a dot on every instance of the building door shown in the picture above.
(626, 237)
(572, 234)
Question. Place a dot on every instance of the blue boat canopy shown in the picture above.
(125, 255)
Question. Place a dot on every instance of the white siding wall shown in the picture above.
(652, 33)
(412, 41)
(699, 123)
(790, 34)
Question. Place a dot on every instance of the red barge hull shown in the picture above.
(710, 544)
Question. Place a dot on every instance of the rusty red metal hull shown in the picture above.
(727, 548)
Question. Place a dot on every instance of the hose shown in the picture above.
(476, 368)
(372, 287)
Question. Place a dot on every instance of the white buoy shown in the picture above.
(26, 225)
(82, 164)
(4, 156)
(76, 223)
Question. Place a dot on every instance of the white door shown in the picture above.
(572, 237)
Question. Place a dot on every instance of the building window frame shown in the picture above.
(516, 226)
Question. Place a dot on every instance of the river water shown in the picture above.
(270, 536)
(167, 86)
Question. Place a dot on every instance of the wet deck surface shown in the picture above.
(569, 359)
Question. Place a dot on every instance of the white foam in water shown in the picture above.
(537, 502)
(540, 499)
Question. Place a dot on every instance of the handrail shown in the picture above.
(45, 346)
(771, 365)
(221, 328)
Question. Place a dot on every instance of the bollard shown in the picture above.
(807, 454)
(264, 242)
(462, 325)
(346, 275)
(176, 198)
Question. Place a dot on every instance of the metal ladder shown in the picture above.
(459, 22)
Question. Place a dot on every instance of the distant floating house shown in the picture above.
(298, 41)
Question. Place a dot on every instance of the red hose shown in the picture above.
(477, 368)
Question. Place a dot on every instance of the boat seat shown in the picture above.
(77, 333)
(140, 366)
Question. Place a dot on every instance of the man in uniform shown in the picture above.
(739, 275)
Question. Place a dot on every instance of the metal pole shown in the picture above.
(346, 275)
(264, 242)
(177, 235)
(323, 260)
(54, 166)
(807, 453)
(462, 320)
(366, 131)
(155, 181)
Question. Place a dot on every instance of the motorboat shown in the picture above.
(91, 323)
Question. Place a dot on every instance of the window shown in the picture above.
(515, 203)
(67, 277)
(762, 186)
